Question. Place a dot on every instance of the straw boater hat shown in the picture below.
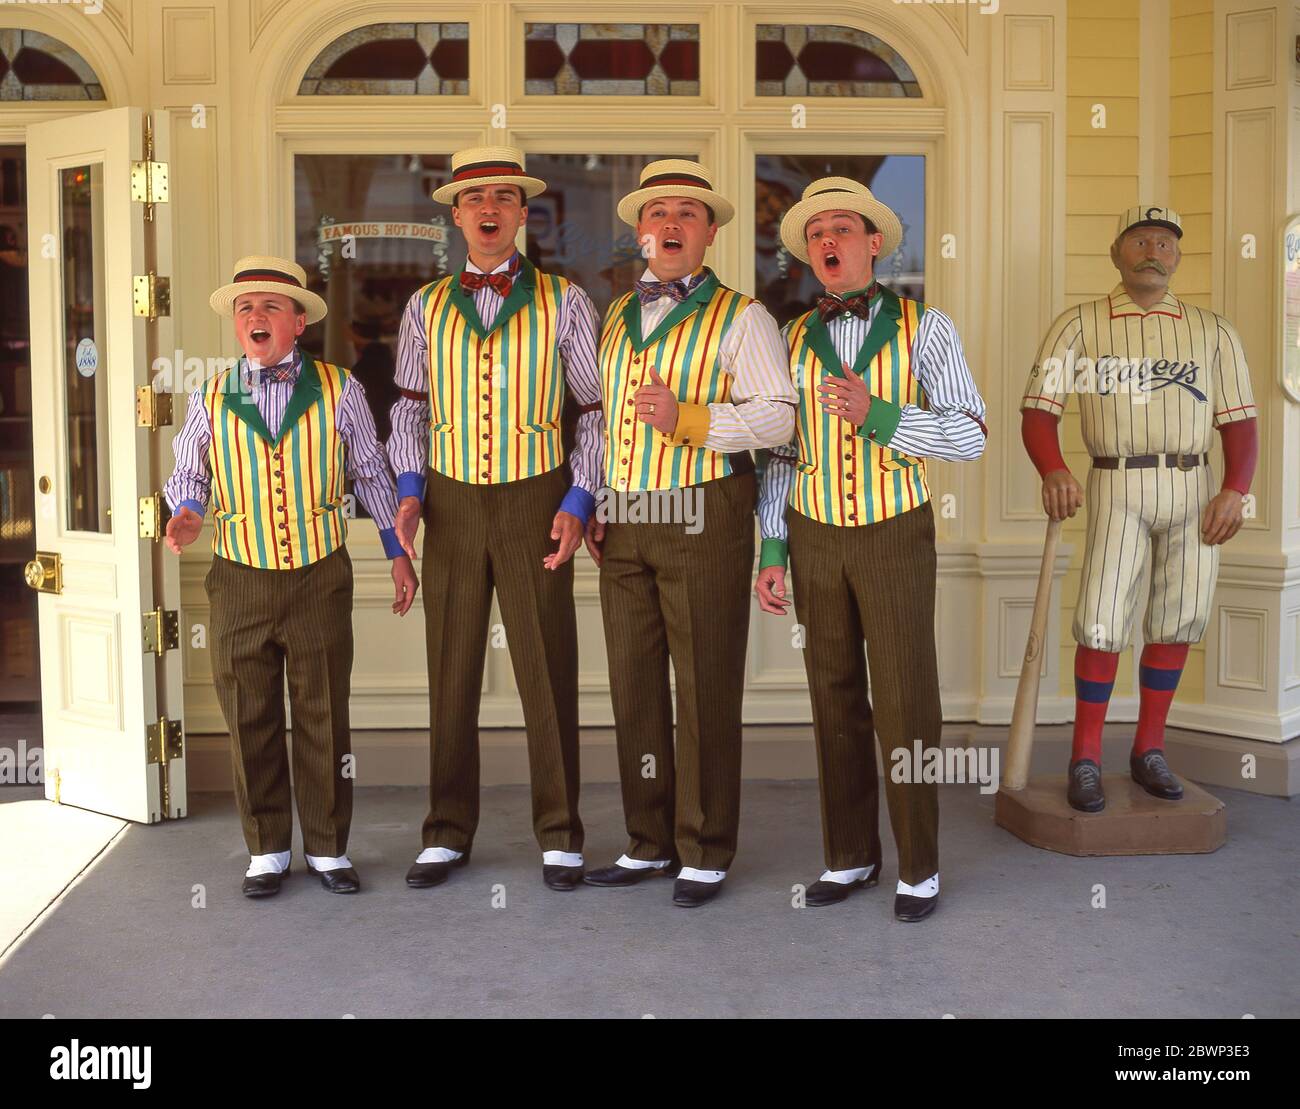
(260, 273)
(832, 194)
(1149, 215)
(675, 177)
(487, 165)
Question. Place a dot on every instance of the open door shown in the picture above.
(100, 260)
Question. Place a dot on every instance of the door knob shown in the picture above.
(44, 573)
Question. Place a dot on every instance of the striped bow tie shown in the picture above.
(272, 375)
(830, 305)
(502, 283)
(650, 291)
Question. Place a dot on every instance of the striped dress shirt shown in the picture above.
(763, 398)
(950, 427)
(366, 464)
(408, 447)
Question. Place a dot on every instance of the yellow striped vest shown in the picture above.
(841, 477)
(495, 398)
(277, 500)
(684, 349)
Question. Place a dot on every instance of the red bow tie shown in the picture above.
(830, 305)
(472, 282)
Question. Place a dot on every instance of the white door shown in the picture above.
(110, 688)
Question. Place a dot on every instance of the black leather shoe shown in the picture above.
(264, 885)
(423, 875)
(689, 893)
(831, 893)
(1084, 792)
(1152, 773)
(561, 877)
(616, 875)
(342, 880)
(909, 908)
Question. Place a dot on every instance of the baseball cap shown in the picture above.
(1149, 215)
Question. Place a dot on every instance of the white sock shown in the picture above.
(277, 862)
(641, 864)
(325, 862)
(561, 858)
(844, 877)
(693, 875)
(928, 888)
(438, 855)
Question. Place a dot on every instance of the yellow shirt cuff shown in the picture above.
(692, 425)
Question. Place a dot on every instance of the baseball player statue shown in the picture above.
(1154, 375)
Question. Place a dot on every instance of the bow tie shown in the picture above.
(501, 283)
(280, 374)
(650, 291)
(831, 305)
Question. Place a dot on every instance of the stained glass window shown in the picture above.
(392, 59)
(34, 66)
(612, 59)
(797, 60)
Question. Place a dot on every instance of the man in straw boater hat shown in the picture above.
(693, 376)
(271, 440)
(484, 360)
(883, 384)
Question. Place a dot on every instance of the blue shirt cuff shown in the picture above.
(578, 502)
(193, 506)
(388, 537)
(410, 485)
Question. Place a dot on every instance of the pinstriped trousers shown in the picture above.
(266, 625)
(877, 583)
(477, 538)
(667, 595)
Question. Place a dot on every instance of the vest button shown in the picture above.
(627, 442)
(487, 396)
(487, 458)
(623, 482)
(284, 542)
(623, 462)
(487, 358)
(279, 492)
(487, 435)
(686, 442)
(485, 475)
(631, 403)
(634, 382)
(627, 419)
(848, 457)
(487, 377)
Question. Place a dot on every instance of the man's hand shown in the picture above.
(595, 539)
(1062, 495)
(183, 529)
(656, 404)
(406, 524)
(770, 590)
(846, 397)
(405, 583)
(1222, 518)
(566, 528)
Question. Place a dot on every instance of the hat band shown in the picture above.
(676, 179)
(836, 189)
(266, 275)
(487, 169)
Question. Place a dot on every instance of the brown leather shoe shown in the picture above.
(1152, 773)
(1084, 792)
(264, 885)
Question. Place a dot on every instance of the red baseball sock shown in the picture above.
(1094, 678)
(1160, 669)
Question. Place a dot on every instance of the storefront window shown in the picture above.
(786, 285)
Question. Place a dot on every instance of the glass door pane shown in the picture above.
(85, 374)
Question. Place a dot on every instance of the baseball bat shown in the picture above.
(1020, 740)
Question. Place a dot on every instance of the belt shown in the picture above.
(1152, 461)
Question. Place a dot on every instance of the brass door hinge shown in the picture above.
(149, 178)
(152, 409)
(151, 295)
(161, 630)
(165, 741)
(151, 517)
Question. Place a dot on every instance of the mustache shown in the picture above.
(1151, 264)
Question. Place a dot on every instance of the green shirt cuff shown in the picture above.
(881, 422)
(773, 552)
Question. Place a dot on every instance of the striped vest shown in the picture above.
(842, 477)
(495, 398)
(684, 349)
(277, 500)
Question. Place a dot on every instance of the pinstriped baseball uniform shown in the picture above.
(1149, 383)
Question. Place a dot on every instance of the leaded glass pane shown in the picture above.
(798, 60)
(392, 59)
(612, 59)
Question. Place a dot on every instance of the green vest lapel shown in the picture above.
(521, 293)
(700, 296)
(306, 393)
(883, 329)
(240, 401)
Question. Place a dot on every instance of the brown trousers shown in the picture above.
(477, 538)
(877, 583)
(267, 624)
(667, 594)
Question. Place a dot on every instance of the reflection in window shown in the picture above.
(797, 60)
(786, 285)
(34, 66)
(368, 235)
(612, 59)
(392, 59)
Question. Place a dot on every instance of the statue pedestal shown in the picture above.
(1132, 823)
